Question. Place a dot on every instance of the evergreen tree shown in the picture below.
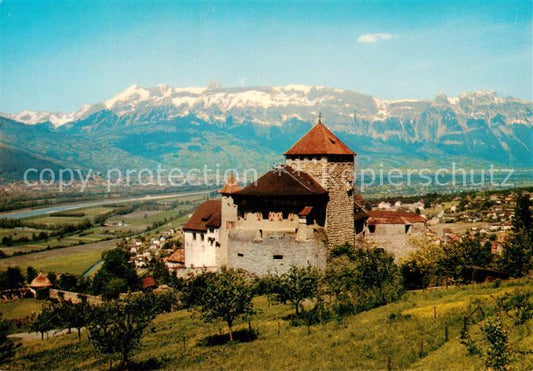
(31, 273)
(7, 346)
(11, 278)
(117, 274)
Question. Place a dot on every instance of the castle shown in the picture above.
(289, 216)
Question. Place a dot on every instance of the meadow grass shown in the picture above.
(20, 308)
(384, 337)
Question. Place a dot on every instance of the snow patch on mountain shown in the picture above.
(273, 105)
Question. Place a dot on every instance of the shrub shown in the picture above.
(362, 279)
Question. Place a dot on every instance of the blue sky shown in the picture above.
(59, 55)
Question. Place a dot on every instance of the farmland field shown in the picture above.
(85, 243)
(75, 260)
(51, 219)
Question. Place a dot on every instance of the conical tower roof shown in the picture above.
(231, 185)
(319, 141)
(41, 281)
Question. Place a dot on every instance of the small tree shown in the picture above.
(7, 346)
(31, 273)
(117, 272)
(46, 321)
(522, 214)
(517, 257)
(496, 356)
(297, 285)
(117, 327)
(67, 282)
(12, 278)
(362, 279)
(226, 296)
(72, 315)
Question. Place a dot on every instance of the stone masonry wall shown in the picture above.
(394, 239)
(337, 179)
(274, 252)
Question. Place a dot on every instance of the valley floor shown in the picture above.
(402, 335)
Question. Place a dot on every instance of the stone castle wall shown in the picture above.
(228, 220)
(337, 178)
(274, 252)
(394, 239)
(75, 297)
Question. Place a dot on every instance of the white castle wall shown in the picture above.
(202, 249)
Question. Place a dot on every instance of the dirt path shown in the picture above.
(37, 335)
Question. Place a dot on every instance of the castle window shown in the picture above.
(407, 228)
(372, 228)
(240, 255)
(194, 235)
(277, 257)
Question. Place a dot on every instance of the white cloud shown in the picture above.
(370, 38)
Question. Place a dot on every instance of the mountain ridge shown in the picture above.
(251, 127)
(190, 97)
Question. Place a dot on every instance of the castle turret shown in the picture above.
(229, 216)
(322, 155)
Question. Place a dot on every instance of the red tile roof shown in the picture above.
(177, 256)
(208, 215)
(148, 282)
(306, 211)
(319, 141)
(231, 186)
(393, 217)
(41, 281)
(283, 181)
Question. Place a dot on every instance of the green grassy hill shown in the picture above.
(402, 335)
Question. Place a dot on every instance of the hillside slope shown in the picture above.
(400, 335)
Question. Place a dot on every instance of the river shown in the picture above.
(26, 213)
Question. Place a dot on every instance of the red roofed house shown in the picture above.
(41, 285)
(148, 283)
(287, 216)
(176, 260)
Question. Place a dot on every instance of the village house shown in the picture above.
(40, 286)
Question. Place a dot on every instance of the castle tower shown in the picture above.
(228, 217)
(323, 156)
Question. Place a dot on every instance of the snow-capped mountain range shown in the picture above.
(216, 103)
(241, 127)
